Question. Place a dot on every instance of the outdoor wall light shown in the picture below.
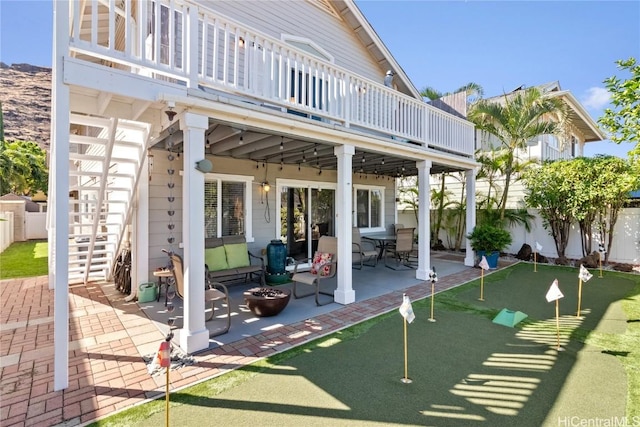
(204, 166)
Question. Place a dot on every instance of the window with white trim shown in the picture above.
(368, 207)
(227, 206)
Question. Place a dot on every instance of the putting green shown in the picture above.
(465, 370)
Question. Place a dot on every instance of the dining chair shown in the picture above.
(403, 251)
(214, 292)
(363, 250)
(324, 265)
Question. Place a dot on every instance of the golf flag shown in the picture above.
(433, 276)
(554, 293)
(601, 249)
(406, 310)
(584, 274)
(538, 247)
(483, 263)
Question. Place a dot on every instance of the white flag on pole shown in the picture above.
(584, 274)
(483, 263)
(554, 292)
(406, 310)
(601, 249)
(538, 247)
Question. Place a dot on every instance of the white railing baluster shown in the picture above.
(158, 44)
(94, 23)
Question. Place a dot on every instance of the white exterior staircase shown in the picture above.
(105, 162)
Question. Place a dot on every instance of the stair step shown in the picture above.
(109, 175)
(100, 159)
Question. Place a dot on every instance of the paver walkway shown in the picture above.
(108, 337)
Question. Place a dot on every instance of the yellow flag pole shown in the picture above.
(481, 284)
(558, 322)
(167, 398)
(433, 294)
(535, 262)
(579, 296)
(600, 260)
(406, 363)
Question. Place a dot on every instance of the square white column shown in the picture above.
(194, 335)
(470, 177)
(344, 294)
(424, 223)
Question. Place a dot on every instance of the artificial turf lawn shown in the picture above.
(24, 259)
(465, 370)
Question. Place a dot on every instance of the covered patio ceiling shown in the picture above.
(225, 140)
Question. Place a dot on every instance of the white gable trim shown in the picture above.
(308, 46)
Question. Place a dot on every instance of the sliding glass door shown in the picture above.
(307, 212)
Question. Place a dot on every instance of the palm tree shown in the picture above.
(520, 117)
(470, 89)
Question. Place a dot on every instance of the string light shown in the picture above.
(315, 150)
(281, 143)
(241, 141)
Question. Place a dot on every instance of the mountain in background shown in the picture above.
(25, 93)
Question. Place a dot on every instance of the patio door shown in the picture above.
(307, 212)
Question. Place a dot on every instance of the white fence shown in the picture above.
(625, 248)
(6, 230)
(626, 241)
(35, 225)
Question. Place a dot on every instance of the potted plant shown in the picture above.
(489, 240)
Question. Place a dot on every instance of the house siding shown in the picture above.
(263, 231)
(303, 19)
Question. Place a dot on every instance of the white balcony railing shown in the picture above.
(156, 39)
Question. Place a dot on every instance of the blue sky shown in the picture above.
(446, 44)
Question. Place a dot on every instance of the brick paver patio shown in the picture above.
(109, 336)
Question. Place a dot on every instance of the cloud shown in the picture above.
(596, 98)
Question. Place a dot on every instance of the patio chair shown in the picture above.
(214, 291)
(363, 250)
(403, 250)
(323, 266)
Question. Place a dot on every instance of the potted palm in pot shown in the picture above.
(489, 240)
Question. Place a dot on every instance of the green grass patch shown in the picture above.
(25, 259)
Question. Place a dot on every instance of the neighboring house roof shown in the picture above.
(29, 206)
(578, 116)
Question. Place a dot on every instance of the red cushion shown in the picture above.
(320, 264)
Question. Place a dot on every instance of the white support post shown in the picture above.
(424, 223)
(140, 232)
(470, 177)
(195, 335)
(60, 143)
(344, 294)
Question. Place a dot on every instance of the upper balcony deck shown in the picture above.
(188, 44)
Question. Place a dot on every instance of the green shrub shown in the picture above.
(489, 238)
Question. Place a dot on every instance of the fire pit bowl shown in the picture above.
(267, 301)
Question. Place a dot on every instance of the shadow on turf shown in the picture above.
(465, 369)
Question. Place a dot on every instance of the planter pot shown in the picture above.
(492, 258)
(267, 301)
